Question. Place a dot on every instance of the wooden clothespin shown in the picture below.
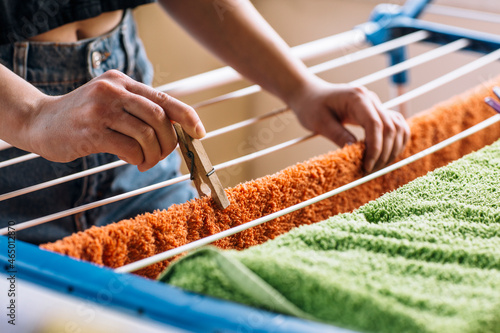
(202, 172)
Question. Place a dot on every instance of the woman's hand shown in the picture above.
(325, 108)
(113, 114)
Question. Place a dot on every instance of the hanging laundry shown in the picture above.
(148, 234)
(424, 258)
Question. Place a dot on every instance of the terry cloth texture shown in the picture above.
(130, 240)
(424, 258)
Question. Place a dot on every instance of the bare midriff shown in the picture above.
(75, 31)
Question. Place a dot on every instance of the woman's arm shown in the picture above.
(236, 33)
(111, 113)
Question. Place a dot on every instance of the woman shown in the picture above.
(75, 90)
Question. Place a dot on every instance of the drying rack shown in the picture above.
(390, 31)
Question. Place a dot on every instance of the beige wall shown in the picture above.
(175, 55)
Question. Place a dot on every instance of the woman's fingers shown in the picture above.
(154, 117)
(386, 132)
(389, 132)
(174, 109)
(125, 147)
(396, 132)
(150, 151)
(329, 126)
(142, 114)
(325, 108)
(402, 136)
(363, 112)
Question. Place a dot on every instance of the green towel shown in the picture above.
(424, 258)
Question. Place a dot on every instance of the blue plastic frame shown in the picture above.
(389, 21)
(137, 296)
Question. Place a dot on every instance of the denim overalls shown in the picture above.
(56, 69)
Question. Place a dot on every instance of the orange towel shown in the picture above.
(151, 233)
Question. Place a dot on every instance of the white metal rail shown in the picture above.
(428, 56)
(210, 239)
(363, 54)
(226, 75)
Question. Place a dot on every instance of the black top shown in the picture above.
(21, 19)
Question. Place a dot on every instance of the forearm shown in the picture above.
(17, 107)
(236, 33)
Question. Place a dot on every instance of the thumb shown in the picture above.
(336, 132)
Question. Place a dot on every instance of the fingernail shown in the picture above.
(200, 130)
(369, 167)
